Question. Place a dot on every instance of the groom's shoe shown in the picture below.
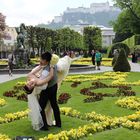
(44, 128)
(57, 126)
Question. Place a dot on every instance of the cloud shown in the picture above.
(33, 12)
(27, 11)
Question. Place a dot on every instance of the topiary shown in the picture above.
(118, 46)
(122, 63)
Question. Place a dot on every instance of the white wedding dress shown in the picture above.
(63, 66)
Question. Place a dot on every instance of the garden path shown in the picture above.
(134, 68)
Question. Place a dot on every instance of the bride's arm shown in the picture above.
(41, 82)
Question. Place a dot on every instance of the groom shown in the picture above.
(50, 94)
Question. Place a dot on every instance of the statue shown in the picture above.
(20, 52)
(21, 31)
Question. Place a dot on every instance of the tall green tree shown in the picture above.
(46, 39)
(92, 38)
(132, 5)
(31, 37)
(67, 39)
(48, 44)
(128, 22)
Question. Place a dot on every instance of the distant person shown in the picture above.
(98, 59)
(10, 64)
(116, 53)
(81, 52)
(86, 54)
(134, 57)
(65, 53)
(93, 56)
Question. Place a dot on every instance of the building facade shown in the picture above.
(8, 42)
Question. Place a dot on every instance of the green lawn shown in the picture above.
(106, 107)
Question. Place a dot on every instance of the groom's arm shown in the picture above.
(40, 82)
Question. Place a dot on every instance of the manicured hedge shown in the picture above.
(118, 46)
(133, 42)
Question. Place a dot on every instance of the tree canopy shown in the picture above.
(128, 22)
(46, 39)
(92, 38)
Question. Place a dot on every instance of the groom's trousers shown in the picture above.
(50, 94)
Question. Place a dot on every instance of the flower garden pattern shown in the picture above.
(95, 122)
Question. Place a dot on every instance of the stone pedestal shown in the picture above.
(21, 57)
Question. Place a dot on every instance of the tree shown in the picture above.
(2, 25)
(123, 27)
(92, 38)
(128, 22)
(122, 63)
(31, 37)
(132, 5)
(46, 39)
(119, 36)
(129, 19)
(66, 39)
(48, 44)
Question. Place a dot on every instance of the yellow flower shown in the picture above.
(14, 116)
(2, 102)
(4, 137)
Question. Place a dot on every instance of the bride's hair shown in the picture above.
(46, 56)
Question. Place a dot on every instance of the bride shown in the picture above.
(39, 73)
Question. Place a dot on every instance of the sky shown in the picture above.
(33, 12)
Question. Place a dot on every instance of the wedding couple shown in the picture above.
(42, 85)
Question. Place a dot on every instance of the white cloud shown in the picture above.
(33, 12)
(27, 11)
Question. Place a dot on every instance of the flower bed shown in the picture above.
(87, 61)
(17, 92)
(4, 137)
(10, 93)
(122, 91)
(75, 84)
(75, 134)
(104, 123)
(63, 98)
(10, 117)
(2, 102)
(105, 76)
(68, 111)
(129, 102)
(93, 99)
(95, 117)
(3, 61)
(91, 122)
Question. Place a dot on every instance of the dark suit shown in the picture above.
(50, 94)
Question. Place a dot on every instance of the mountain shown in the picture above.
(96, 14)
